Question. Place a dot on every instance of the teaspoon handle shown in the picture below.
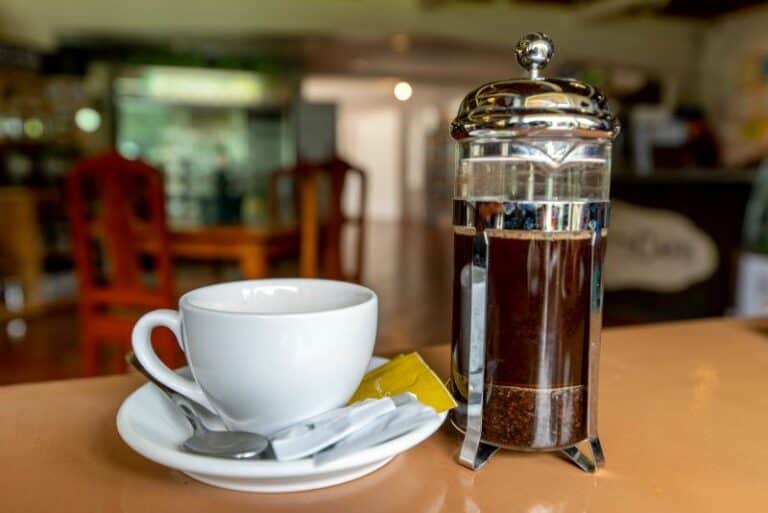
(186, 406)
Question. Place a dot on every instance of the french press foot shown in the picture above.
(583, 462)
(474, 460)
(475, 455)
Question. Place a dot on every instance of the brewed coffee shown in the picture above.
(535, 287)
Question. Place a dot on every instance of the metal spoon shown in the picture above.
(222, 444)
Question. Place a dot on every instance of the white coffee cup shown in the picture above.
(265, 354)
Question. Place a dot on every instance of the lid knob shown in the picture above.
(534, 51)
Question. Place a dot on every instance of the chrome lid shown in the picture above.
(535, 106)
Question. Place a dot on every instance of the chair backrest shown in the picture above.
(317, 194)
(283, 193)
(339, 173)
(119, 233)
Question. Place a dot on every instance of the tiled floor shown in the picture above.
(408, 267)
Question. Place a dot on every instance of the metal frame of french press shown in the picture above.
(474, 452)
(533, 52)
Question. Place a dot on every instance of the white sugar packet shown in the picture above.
(315, 434)
(407, 416)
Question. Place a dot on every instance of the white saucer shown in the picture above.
(153, 427)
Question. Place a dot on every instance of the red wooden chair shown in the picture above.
(339, 173)
(319, 211)
(121, 253)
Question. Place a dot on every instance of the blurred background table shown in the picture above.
(250, 247)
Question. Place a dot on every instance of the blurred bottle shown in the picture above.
(755, 235)
(228, 199)
(752, 289)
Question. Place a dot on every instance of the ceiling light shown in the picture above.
(403, 91)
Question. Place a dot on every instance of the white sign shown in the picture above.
(656, 250)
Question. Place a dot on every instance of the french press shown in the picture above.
(530, 218)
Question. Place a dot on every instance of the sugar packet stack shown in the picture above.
(407, 416)
(392, 400)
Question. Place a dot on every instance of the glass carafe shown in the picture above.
(530, 230)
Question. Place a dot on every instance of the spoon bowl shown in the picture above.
(221, 444)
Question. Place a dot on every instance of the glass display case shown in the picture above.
(216, 135)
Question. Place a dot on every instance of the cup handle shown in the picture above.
(142, 348)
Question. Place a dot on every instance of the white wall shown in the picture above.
(369, 137)
(385, 137)
(420, 121)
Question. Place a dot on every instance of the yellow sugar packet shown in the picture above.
(405, 373)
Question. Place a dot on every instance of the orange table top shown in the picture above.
(683, 417)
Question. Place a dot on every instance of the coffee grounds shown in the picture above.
(532, 419)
